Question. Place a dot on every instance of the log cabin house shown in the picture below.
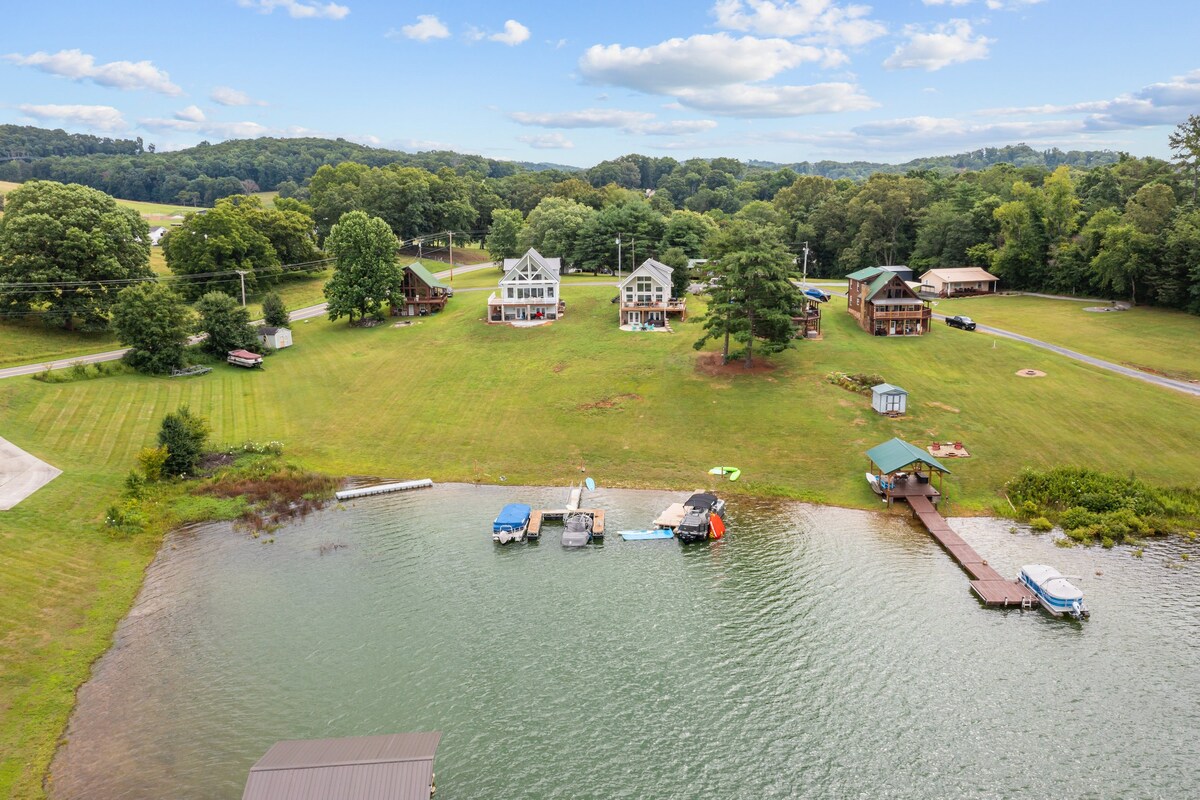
(884, 305)
(421, 293)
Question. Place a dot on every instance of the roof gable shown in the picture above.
(532, 266)
(426, 277)
(895, 454)
(885, 279)
(655, 269)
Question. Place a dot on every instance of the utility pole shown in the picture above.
(804, 278)
(451, 255)
(242, 274)
(618, 258)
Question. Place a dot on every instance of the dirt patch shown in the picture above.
(1031, 373)
(211, 462)
(943, 407)
(369, 322)
(1175, 376)
(615, 401)
(858, 421)
(559, 367)
(710, 364)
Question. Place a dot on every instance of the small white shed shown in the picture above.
(888, 399)
(275, 338)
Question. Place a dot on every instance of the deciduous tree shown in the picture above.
(503, 240)
(366, 273)
(226, 322)
(63, 248)
(275, 313)
(153, 322)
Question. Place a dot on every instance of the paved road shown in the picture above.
(308, 312)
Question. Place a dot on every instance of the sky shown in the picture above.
(577, 83)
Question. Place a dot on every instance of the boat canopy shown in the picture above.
(512, 516)
(1052, 582)
(702, 501)
(896, 454)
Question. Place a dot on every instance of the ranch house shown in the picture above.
(529, 290)
(645, 296)
(959, 281)
(884, 305)
(421, 293)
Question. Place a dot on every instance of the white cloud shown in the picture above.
(702, 61)
(79, 66)
(233, 97)
(427, 27)
(777, 101)
(104, 118)
(947, 2)
(210, 128)
(948, 43)
(513, 34)
(821, 21)
(191, 114)
(299, 9)
(547, 141)
(994, 5)
(637, 122)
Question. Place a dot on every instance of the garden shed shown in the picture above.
(275, 338)
(888, 399)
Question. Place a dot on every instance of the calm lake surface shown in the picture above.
(813, 652)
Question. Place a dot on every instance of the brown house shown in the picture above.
(885, 305)
(421, 293)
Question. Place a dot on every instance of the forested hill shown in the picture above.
(201, 175)
(1019, 155)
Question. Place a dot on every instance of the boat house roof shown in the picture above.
(896, 454)
(397, 766)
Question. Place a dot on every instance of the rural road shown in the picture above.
(308, 312)
(319, 310)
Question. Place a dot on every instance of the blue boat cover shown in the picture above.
(637, 536)
(512, 516)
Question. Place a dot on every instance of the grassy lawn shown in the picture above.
(450, 398)
(1152, 339)
(29, 340)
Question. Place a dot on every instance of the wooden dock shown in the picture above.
(993, 589)
(539, 515)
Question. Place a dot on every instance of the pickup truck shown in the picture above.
(966, 323)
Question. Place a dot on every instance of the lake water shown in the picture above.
(813, 652)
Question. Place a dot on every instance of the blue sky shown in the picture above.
(777, 80)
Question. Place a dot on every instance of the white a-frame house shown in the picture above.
(529, 290)
(646, 296)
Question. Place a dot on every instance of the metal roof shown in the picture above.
(553, 266)
(391, 767)
(897, 453)
(660, 271)
(887, 388)
(955, 274)
(866, 273)
(426, 276)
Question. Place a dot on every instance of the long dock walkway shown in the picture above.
(993, 589)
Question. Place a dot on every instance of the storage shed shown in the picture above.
(396, 766)
(275, 338)
(888, 399)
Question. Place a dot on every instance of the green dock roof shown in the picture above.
(425, 275)
(896, 453)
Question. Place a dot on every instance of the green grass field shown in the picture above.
(1146, 338)
(454, 399)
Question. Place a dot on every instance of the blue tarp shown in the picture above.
(512, 517)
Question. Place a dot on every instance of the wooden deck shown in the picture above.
(539, 515)
(993, 589)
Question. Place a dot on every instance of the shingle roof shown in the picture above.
(895, 454)
(392, 767)
(426, 276)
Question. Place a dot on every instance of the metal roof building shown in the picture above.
(391, 767)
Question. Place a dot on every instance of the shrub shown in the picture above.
(1040, 524)
(135, 484)
(151, 460)
(275, 313)
(1075, 518)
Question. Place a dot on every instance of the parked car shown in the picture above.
(966, 323)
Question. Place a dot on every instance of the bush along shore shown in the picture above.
(1092, 506)
(252, 485)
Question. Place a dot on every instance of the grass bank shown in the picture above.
(455, 399)
(1151, 339)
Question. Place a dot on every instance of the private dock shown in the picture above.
(383, 488)
(539, 515)
(905, 472)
